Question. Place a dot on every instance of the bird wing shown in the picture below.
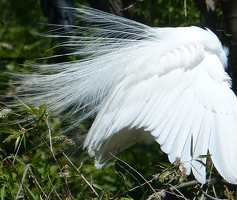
(166, 84)
(189, 110)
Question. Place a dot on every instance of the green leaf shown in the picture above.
(30, 194)
(98, 186)
(24, 141)
(42, 111)
(28, 108)
(101, 195)
(204, 156)
(17, 142)
(204, 164)
(167, 165)
(3, 192)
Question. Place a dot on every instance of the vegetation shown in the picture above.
(37, 161)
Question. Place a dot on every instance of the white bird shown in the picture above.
(144, 84)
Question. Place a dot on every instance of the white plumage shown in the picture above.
(167, 84)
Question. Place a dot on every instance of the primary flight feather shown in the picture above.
(143, 83)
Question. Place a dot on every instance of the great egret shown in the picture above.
(163, 84)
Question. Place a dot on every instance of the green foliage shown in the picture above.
(33, 164)
(163, 13)
(19, 30)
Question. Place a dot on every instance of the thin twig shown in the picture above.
(53, 187)
(22, 180)
(140, 185)
(9, 160)
(87, 182)
(134, 171)
(50, 134)
(46, 144)
(209, 196)
(36, 181)
(186, 184)
(185, 11)
(49, 148)
(18, 148)
(132, 5)
(173, 188)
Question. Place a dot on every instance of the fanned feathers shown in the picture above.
(163, 84)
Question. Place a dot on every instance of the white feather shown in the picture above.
(163, 84)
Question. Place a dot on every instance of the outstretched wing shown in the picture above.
(189, 111)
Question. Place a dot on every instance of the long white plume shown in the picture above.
(102, 45)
